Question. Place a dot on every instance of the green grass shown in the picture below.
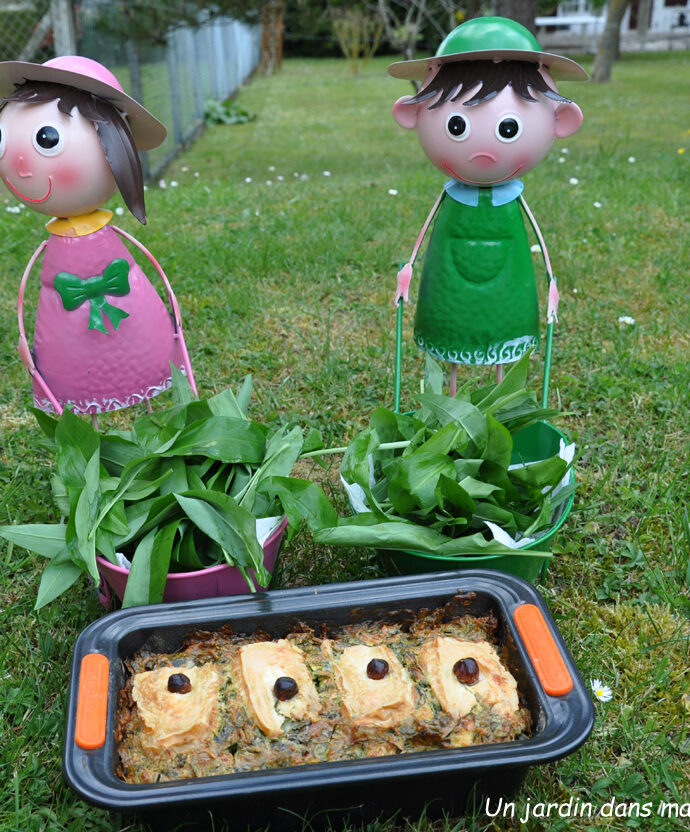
(293, 282)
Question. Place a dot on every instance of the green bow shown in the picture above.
(75, 290)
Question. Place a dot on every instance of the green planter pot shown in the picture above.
(538, 441)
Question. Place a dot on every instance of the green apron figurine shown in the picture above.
(487, 112)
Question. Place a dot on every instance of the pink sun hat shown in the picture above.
(90, 76)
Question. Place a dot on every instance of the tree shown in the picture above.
(271, 36)
(609, 43)
(402, 24)
(358, 33)
(523, 11)
(407, 22)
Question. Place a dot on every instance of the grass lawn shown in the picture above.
(282, 240)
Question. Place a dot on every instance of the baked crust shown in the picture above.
(373, 703)
(261, 664)
(338, 714)
(176, 720)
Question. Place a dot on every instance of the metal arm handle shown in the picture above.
(177, 318)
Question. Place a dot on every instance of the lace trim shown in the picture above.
(106, 405)
(502, 352)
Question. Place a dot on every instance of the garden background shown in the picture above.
(282, 238)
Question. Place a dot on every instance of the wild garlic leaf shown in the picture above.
(222, 438)
(301, 499)
(415, 481)
(75, 443)
(461, 413)
(57, 577)
(45, 539)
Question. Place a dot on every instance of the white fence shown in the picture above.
(172, 81)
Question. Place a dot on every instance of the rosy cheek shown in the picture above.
(68, 176)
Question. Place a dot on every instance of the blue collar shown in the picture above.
(469, 194)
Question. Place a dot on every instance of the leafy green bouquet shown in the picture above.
(180, 491)
(443, 479)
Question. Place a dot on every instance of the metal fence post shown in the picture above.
(173, 77)
(213, 57)
(63, 27)
(219, 60)
(196, 74)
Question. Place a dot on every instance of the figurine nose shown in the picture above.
(483, 158)
(21, 169)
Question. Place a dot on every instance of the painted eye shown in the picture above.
(3, 142)
(508, 128)
(48, 140)
(458, 127)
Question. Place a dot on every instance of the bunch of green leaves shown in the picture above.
(430, 480)
(179, 492)
(226, 112)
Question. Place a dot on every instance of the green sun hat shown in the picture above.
(490, 38)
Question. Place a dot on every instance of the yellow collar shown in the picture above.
(79, 226)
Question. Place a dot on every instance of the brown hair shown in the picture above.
(457, 77)
(111, 127)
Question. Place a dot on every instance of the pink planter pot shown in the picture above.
(188, 586)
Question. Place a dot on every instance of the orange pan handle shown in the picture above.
(543, 650)
(92, 701)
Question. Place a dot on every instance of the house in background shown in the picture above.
(576, 26)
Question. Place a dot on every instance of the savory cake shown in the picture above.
(228, 703)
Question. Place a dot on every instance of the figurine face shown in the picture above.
(51, 161)
(491, 142)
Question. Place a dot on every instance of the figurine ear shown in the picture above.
(568, 119)
(406, 114)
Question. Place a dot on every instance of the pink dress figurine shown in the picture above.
(103, 338)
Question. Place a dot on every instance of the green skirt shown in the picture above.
(477, 300)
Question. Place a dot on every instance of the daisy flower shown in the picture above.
(626, 320)
(602, 692)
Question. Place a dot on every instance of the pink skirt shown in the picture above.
(88, 370)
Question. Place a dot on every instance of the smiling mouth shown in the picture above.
(493, 182)
(28, 198)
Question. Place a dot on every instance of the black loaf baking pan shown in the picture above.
(438, 781)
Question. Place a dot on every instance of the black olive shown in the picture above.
(377, 669)
(285, 688)
(179, 683)
(466, 671)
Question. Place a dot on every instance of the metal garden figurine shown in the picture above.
(103, 338)
(487, 112)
